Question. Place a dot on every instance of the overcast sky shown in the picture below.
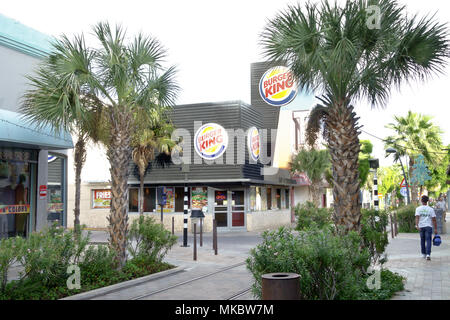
(214, 42)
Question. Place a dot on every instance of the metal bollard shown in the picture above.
(395, 224)
(195, 242)
(280, 286)
(215, 236)
(201, 232)
(173, 225)
(392, 225)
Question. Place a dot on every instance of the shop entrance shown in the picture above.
(229, 209)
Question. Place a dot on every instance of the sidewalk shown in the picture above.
(426, 280)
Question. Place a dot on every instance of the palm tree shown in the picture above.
(152, 134)
(61, 102)
(124, 79)
(314, 163)
(415, 134)
(335, 52)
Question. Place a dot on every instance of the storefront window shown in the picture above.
(278, 198)
(269, 198)
(55, 198)
(14, 196)
(133, 200)
(287, 198)
(263, 199)
(149, 199)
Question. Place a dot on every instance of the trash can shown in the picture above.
(280, 286)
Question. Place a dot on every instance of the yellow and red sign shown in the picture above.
(211, 141)
(101, 199)
(253, 142)
(14, 208)
(277, 86)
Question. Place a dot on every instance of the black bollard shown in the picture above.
(195, 242)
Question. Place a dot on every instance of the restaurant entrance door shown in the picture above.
(229, 209)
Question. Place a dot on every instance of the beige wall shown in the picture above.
(92, 218)
(263, 220)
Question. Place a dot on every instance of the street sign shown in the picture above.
(162, 196)
(403, 191)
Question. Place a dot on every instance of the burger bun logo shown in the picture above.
(253, 142)
(277, 86)
(210, 141)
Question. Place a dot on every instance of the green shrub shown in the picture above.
(310, 216)
(373, 233)
(97, 264)
(148, 240)
(10, 249)
(390, 284)
(406, 219)
(330, 266)
(47, 254)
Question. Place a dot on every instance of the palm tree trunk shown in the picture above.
(119, 155)
(141, 191)
(414, 190)
(79, 160)
(344, 147)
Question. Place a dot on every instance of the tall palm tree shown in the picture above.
(124, 79)
(61, 102)
(415, 134)
(152, 134)
(314, 163)
(336, 52)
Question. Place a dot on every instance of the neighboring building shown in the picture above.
(33, 162)
(235, 162)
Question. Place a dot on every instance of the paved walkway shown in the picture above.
(426, 280)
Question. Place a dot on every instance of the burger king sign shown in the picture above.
(253, 142)
(277, 86)
(211, 141)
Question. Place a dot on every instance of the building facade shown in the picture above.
(234, 162)
(33, 161)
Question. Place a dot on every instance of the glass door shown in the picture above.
(221, 207)
(237, 208)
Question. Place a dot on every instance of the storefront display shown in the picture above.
(199, 197)
(14, 194)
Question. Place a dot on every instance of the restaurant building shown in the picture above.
(33, 162)
(234, 162)
(235, 158)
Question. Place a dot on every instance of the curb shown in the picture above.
(123, 285)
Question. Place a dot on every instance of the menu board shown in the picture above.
(199, 197)
(101, 199)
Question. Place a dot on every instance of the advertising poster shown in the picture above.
(14, 209)
(101, 199)
(170, 204)
(199, 197)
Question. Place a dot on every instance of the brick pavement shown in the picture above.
(426, 280)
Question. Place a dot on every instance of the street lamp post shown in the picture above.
(392, 150)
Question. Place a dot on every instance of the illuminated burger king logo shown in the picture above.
(211, 141)
(277, 86)
(253, 142)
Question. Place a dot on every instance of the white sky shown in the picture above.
(213, 44)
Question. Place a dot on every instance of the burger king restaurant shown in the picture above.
(234, 159)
